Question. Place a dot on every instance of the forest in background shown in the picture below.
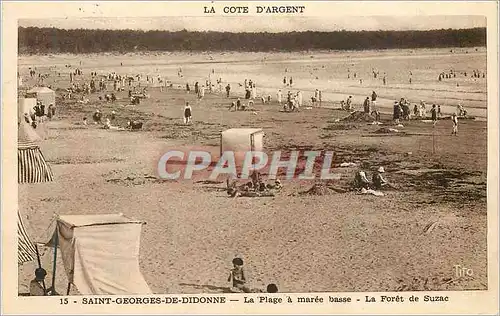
(35, 40)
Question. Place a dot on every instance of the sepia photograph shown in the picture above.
(220, 153)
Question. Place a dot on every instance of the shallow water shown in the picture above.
(330, 72)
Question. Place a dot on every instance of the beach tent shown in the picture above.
(43, 94)
(100, 253)
(240, 141)
(26, 249)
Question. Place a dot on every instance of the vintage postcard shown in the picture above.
(250, 157)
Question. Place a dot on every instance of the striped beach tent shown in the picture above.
(32, 167)
(26, 248)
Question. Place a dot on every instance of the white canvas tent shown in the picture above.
(242, 140)
(43, 94)
(100, 253)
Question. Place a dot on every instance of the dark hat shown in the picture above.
(238, 261)
(40, 273)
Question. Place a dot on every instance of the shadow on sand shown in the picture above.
(219, 289)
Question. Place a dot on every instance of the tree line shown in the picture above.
(35, 40)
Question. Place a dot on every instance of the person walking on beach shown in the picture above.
(454, 119)
(396, 112)
(348, 103)
(374, 99)
(196, 88)
(187, 113)
(279, 96)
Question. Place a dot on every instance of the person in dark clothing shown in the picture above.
(396, 111)
(97, 117)
(228, 89)
(187, 113)
(366, 105)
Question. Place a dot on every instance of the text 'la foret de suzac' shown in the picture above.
(283, 9)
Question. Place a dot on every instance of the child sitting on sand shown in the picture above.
(237, 276)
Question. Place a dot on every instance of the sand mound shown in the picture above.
(358, 116)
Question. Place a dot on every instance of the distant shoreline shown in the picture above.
(299, 52)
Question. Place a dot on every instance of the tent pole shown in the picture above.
(55, 261)
(69, 288)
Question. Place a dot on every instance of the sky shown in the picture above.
(264, 23)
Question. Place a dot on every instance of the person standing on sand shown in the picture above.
(228, 89)
(434, 114)
(187, 113)
(196, 88)
(366, 105)
(291, 81)
(316, 96)
(279, 96)
(299, 99)
(320, 97)
(374, 99)
(349, 103)
(439, 110)
(284, 81)
(188, 89)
